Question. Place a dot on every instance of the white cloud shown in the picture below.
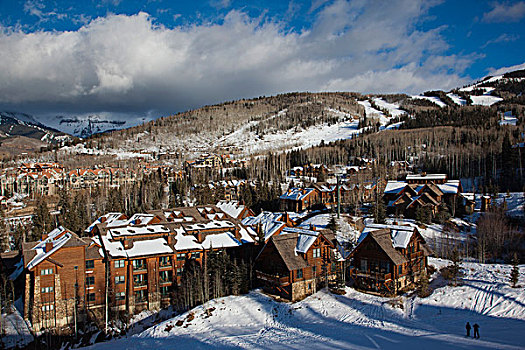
(503, 38)
(503, 70)
(125, 63)
(503, 12)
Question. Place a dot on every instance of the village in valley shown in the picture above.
(322, 228)
(224, 174)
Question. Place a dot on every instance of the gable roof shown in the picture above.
(36, 252)
(285, 246)
(384, 240)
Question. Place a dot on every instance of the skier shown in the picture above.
(468, 329)
(476, 330)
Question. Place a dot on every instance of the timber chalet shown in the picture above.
(388, 258)
(421, 191)
(295, 262)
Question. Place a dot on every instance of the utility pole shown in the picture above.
(338, 176)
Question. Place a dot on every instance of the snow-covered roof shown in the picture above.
(305, 238)
(108, 218)
(146, 247)
(401, 235)
(232, 208)
(149, 247)
(221, 240)
(210, 225)
(297, 194)
(58, 237)
(268, 221)
(186, 242)
(138, 230)
(426, 177)
(395, 186)
(451, 186)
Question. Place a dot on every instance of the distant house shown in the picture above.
(299, 199)
(421, 191)
(294, 263)
(235, 209)
(388, 258)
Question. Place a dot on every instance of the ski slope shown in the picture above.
(355, 320)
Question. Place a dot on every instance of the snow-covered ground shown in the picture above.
(485, 100)
(457, 100)
(355, 320)
(15, 329)
(392, 108)
(433, 99)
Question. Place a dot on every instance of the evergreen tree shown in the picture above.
(379, 212)
(515, 272)
(455, 268)
(42, 221)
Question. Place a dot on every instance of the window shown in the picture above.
(196, 255)
(139, 265)
(299, 274)
(384, 266)
(90, 264)
(90, 280)
(120, 296)
(314, 270)
(139, 280)
(91, 297)
(400, 270)
(140, 296)
(120, 279)
(164, 261)
(119, 264)
(317, 253)
(47, 289)
(179, 271)
(165, 276)
(44, 272)
(48, 307)
(364, 265)
(181, 257)
(164, 291)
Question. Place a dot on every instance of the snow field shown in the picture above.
(355, 320)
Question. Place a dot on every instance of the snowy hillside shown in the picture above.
(355, 320)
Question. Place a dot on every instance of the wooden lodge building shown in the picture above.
(294, 263)
(64, 279)
(127, 265)
(420, 191)
(388, 258)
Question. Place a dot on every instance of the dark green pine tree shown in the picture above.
(42, 221)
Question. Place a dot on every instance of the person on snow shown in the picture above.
(476, 330)
(468, 329)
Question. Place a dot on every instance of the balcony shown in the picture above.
(275, 279)
(139, 268)
(379, 276)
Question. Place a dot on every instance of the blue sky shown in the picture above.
(152, 58)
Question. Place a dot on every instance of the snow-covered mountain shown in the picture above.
(85, 126)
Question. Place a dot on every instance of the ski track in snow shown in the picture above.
(355, 320)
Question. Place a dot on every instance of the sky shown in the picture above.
(145, 59)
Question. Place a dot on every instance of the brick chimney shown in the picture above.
(49, 246)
